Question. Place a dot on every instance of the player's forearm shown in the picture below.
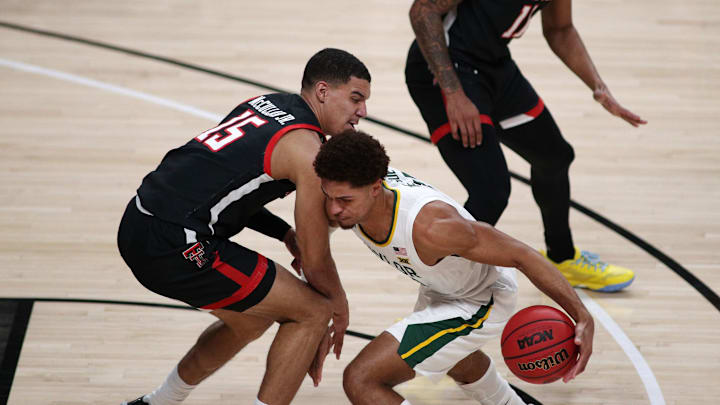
(566, 43)
(318, 265)
(551, 282)
(268, 224)
(322, 275)
(428, 28)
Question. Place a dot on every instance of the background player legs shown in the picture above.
(482, 171)
(543, 146)
(371, 376)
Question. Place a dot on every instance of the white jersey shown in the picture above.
(453, 277)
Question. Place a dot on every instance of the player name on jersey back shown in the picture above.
(268, 109)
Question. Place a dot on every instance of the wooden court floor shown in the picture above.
(81, 124)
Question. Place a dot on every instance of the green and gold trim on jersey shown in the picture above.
(422, 340)
(390, 234)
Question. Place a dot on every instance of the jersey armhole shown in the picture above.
(276, 138)
(419, 205)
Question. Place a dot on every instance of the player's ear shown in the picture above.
(376, 188)
(321, 90)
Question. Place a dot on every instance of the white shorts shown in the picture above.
(443, 331)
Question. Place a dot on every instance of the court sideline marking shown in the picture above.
(646, 375)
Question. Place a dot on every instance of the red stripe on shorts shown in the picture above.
(535, 111)
(247, 284)
(444, 129)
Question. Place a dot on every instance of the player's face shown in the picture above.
(347, 205)
(345, 105)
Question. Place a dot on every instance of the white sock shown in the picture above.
(492, 389)
(259, 402)
(172, 392)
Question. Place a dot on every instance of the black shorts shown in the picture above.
(500, 92)
(204, 272)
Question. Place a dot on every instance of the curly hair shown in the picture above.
(353, 157)
(334, 66)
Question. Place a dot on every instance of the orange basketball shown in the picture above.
(538, 344)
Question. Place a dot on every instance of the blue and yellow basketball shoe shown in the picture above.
(585, 270)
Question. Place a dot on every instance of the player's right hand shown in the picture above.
(464, 119)
(603, 96)
(584, 332)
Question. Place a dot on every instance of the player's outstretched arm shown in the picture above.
(463, 116)
(292, 159)
(565, 42)
(440, 231)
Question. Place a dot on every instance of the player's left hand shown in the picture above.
(315, 371)
(292, 247)
(340, 322)
(602, 95)
(584, 332)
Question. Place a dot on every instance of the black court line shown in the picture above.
(673, 265)
(13, 346)
(136, 303)
(24, 308)
(21, 318)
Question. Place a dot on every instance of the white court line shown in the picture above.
(111, 88)
(646, 375)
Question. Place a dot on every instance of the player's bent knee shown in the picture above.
(489, 208)
(355, 378)
(322, 312)
(296, 301)
(557, 161)
(564, 157)
(317, 311)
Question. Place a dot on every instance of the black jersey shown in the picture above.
(216, 181)
(480, 30)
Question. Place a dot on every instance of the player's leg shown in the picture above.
(371, 376)
(477, 377)
(481, 170)
(543, 146)
(303, 315)
(244, 290)
(217, 345)
(528, 128)
(430, 341)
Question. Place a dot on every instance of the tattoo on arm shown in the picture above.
(426, 20)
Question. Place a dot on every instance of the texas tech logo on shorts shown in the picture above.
(196, 253)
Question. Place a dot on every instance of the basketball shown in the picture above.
(538, 344)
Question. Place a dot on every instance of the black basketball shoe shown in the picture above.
(529, 400)
(139, 401)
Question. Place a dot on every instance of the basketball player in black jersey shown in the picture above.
(175, 232)
(462, 78)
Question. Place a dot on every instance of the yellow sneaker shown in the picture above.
(587, 271)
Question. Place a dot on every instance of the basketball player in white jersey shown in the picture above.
(465, 297)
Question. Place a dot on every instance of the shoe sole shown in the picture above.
(607, 288)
